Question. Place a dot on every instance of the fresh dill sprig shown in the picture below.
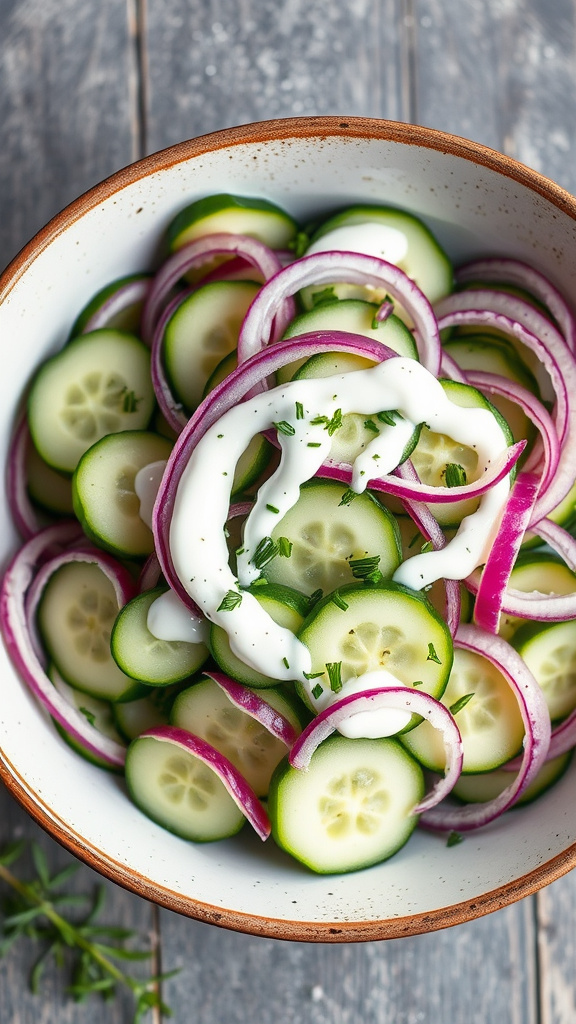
(455, 475)
(366, 568)
(265, 551)
(334, 672)
(39, 909)
(230, 601)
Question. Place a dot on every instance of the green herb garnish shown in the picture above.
(285, 662)
(317, 690)
(387, 417)
(432, 656)
(230, 601)
(460, 703)
(428, 546)
(284, 547)
(299, 411)
(89, 715)
(334, 670)
(339, 601)
(347, 497)
(313, 444)
(366, 568)
(454, 838)
(130, 403)
(283, 427)
(455, 475)
(272, 508)
(370, 425)
(312, 675)
(265, 552)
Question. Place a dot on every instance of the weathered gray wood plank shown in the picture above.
(213, 65)
(557, 948)
(502, 73)
(479, 972)
(68, 116)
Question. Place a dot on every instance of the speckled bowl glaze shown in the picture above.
(477, 202)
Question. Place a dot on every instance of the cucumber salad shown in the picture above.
(297, 513)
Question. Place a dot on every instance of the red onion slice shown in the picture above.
(536, 412)
(260, 327)
(172, 410)
(26, 518)
(504, 550)
(501, 270)
(129, 294)
(536, 741)
(429, 493)
(198, 253)
(395, 697)
(235, 783)
(14, 623)
(253, 704)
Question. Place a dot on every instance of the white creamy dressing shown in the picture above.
(197, 541)
(371, 239)
(146, 484)
(170, 619)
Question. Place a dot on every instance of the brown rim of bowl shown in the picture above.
(283, 130)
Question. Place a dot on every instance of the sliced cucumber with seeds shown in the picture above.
(550, 653)
(239, 215)
(178, 791)
(75, 617)
(201, 332)
(105, 500)
(286, 606)
(403, 239)
(434, 452)
(134, 717)
(141, 655)
(326, 536)
(382, 626)
(356, 317)
(99, 384)
(205, 710)
(490, 722)
(474, 789)
(539, 572)
(351, 808)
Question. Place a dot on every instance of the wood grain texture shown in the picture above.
(557, 951)
(67, 107)
(480, 972)
(501, 72)
(228, 62)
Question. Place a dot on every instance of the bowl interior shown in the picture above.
(477, 203)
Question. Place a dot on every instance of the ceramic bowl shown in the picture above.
(477, 202)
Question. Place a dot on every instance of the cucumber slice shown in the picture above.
(134, 717)
(99, 384)
(564, 514)
(541, 572)
(75, 618)
(201, 332)
(326, 536)
(141, 655)
(238, 215)
(353, 807)
(496, 355)
(384, 625)
(490, 723)
(434, 452)
(391, 234)
(105, 500)
(98, 712)
(354, 316)
(46, 486)
(286, 606)
(178, 791)
(126, 320)
(251, 464)
(222, 370)
(474, 789)
(550, 652)
(205, 710)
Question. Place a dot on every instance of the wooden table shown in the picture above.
(87, 87)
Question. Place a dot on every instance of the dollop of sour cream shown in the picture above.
(300, 411)
(170, 619)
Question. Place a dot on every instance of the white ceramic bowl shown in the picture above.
(477, 202)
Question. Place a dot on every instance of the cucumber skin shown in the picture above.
(213, 204)
(282, 774)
